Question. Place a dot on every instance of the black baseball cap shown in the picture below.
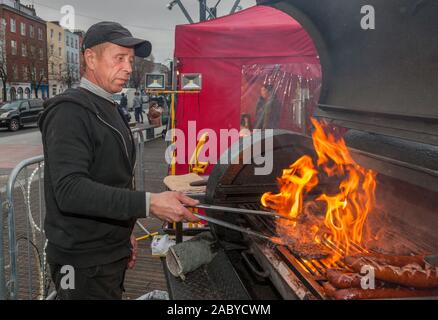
(114, 32)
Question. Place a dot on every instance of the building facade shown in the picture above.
(80, 35)
(72, 66)
(56, 57)
(25, 51)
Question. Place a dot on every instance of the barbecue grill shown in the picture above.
(378, 90)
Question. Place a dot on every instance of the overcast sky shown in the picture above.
(149, 19)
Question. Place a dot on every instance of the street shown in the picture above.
(17, 146)
(4, 132)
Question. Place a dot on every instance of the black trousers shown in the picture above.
(102, 282)
(138, 114)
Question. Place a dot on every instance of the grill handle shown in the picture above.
(262, 274)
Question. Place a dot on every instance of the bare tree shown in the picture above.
(3, 65)
(140, 68)
(68, 75)
(3, 72)
(54, 61)
(36, 78)
(35, 65)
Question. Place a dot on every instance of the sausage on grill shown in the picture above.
(411, 275)
(379, 293)
(343, 280)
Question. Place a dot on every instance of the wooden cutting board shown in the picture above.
(182, 183)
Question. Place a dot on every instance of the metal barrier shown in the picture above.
(24, 271)
(2, 263)
(24, 226)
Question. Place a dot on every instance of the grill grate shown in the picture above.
(311, 271)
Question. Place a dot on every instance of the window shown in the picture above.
(77, 58)
(31, 31)
(40, 34)
(24, 104)
(41, 54)
(59, 51)
(14, 47)
(14, 72)
(32, 50)
(23, 28)
(54, 90)
(51, 33)
(59, 36)
(25, 73)
(66, 41)
(68, 57)
(51, 49)
(76, 43)
(52, 68)
(71, 42)
(35, 104)
(23, 50)
(60, 68)
(13, 26)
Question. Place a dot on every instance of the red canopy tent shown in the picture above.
(219, 49)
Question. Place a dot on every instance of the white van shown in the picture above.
(129, 92)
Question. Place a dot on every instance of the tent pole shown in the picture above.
(202, 10)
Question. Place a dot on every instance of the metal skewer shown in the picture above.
(231, 226)
(241, 211)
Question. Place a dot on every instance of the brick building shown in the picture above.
(80, 35)
(25, 51)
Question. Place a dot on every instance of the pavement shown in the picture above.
(18, 146)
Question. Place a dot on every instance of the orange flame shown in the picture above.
(345, 211)
(296, 181)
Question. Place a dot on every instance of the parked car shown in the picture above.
(16, 114)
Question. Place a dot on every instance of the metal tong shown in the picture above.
(231, 226)
(241, 211)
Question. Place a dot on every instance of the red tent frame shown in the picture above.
(218, 49)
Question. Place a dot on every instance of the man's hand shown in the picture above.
(169, 206)
(134, 252)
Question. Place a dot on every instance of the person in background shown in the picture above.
(245, 125)
(268, 109)
(154, 114)
(124, 113)
(124, 101)
(138, 108)
(123, 108)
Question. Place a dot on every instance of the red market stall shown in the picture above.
(237, 55)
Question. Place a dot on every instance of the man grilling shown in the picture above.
(89, 167)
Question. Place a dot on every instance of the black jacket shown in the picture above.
(88, 177)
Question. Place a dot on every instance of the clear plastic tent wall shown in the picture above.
(279, 96)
